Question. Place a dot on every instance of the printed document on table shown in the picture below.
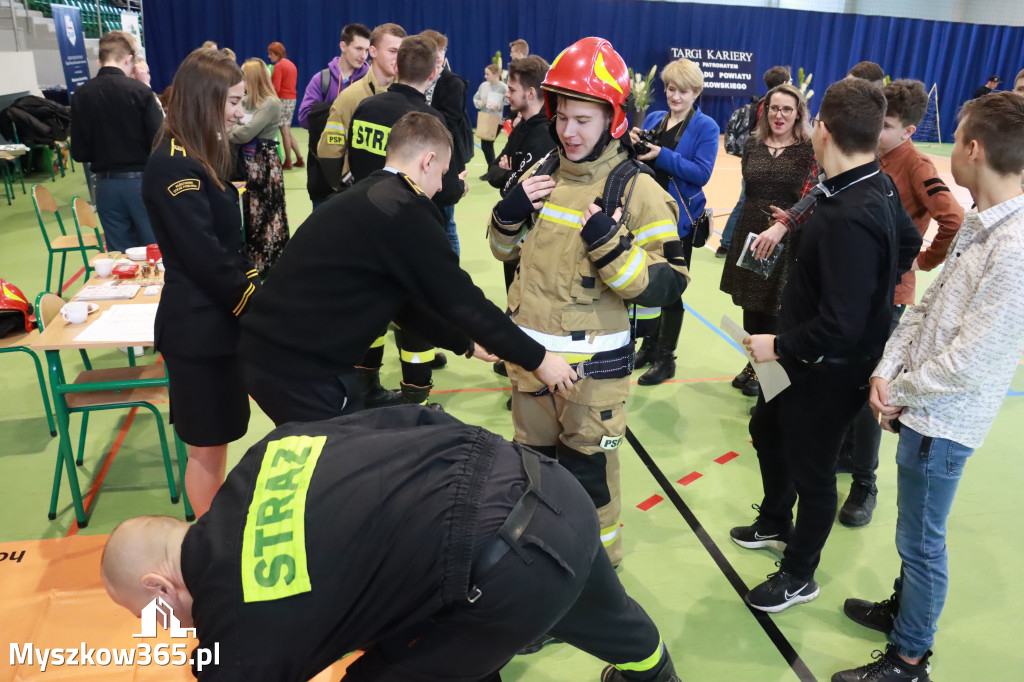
(772, 376)
(125, 324)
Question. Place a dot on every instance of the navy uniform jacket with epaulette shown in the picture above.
(375, 253)
(368, 136)
(209, 276)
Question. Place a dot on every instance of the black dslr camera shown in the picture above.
(647, 138)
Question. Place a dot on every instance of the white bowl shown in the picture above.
(136, 253)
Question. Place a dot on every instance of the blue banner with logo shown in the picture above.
(71, 40)
(727, 73)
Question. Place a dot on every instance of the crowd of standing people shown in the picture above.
(596, 230)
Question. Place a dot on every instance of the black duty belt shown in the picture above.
(608, 364)
(106, 175)
(498, 545)
(847, 360)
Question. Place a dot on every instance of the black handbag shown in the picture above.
(701, 227)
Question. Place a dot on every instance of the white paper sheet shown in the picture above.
(125, 324)
(771, 375)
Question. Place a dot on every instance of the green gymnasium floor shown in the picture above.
(678, 552)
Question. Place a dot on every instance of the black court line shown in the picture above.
(763, 619)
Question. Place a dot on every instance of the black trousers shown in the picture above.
(302, 400)
(557, 580)
(864, 437)
(487, 147)
(797, 437)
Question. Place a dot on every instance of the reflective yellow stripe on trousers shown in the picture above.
(646, 664)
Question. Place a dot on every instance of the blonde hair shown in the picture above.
(257, 82)
(683, 74)
(802, 124)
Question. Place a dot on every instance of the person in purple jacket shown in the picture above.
(345, 69)
(682, 155)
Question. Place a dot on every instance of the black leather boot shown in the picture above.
(648, 352)
(417, 395)
(375, 395)
(664, 366)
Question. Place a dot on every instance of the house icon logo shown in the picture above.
(159, 612)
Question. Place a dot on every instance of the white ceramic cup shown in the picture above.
(103, 266)
(75, 312)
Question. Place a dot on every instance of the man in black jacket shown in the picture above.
(437, 548)
(368, 136)
(372, 254)
(834, 322)
(114, 119)
(531, 139)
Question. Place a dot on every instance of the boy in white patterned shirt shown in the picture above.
(943, 377)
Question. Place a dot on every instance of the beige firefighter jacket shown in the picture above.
(332, 146)
(571, 299)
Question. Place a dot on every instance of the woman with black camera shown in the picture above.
(681, 146)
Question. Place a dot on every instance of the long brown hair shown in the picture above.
(195, 115)
(802, 124)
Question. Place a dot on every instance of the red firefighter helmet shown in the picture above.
(13, 302)
(591, 69)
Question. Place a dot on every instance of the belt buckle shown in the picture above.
(474, 594)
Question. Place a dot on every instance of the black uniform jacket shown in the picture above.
(849, 255)
(114, 119)
(527, 144)
(368, 135)
(383, 540)
(209, 276)
(374, 253)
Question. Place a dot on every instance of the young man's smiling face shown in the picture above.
(579, 125)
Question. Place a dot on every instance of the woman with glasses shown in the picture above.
(776, 161)
(682, 155)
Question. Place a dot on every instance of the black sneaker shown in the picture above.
(499, 368)
(877, 615)
(887, 667)
(741, 379)
(859, 505)
(781, 591)
(538, 644)
(761, 536)
(752, 387)
(440, 361)
(721, 252)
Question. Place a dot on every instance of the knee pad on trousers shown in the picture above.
(589, 470)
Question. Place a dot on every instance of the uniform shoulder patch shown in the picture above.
(415, 188)
(189, 184)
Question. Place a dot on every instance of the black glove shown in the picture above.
(599, 229)
(514, 208)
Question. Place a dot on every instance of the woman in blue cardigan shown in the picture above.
(682, 159)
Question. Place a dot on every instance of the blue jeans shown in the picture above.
(734, 217)
(122, 213)
(929, 471)
(453, 235)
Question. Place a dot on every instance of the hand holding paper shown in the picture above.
(771, 375)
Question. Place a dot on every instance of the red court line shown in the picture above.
(649, 502)
(727, 457)
(72, 280)
(689, 478)
(97, 480)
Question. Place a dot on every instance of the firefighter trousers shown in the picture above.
(556, 580)
(583, 432)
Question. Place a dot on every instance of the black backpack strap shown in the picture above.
(617, 181)
(325, 83)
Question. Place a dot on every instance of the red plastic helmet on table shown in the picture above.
(591, 69)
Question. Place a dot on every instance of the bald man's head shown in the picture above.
(142, 561)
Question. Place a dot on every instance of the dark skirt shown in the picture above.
(209, 405)
(266, 223)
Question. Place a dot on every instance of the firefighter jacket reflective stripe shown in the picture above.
(333, 144)
(574, 296)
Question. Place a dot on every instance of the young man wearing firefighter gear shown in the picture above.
(385, 42)
(582, 268)
(436, 547)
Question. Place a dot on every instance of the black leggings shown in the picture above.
(487, 146)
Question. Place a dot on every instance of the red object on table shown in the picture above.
(153, 253)
(125, 270)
